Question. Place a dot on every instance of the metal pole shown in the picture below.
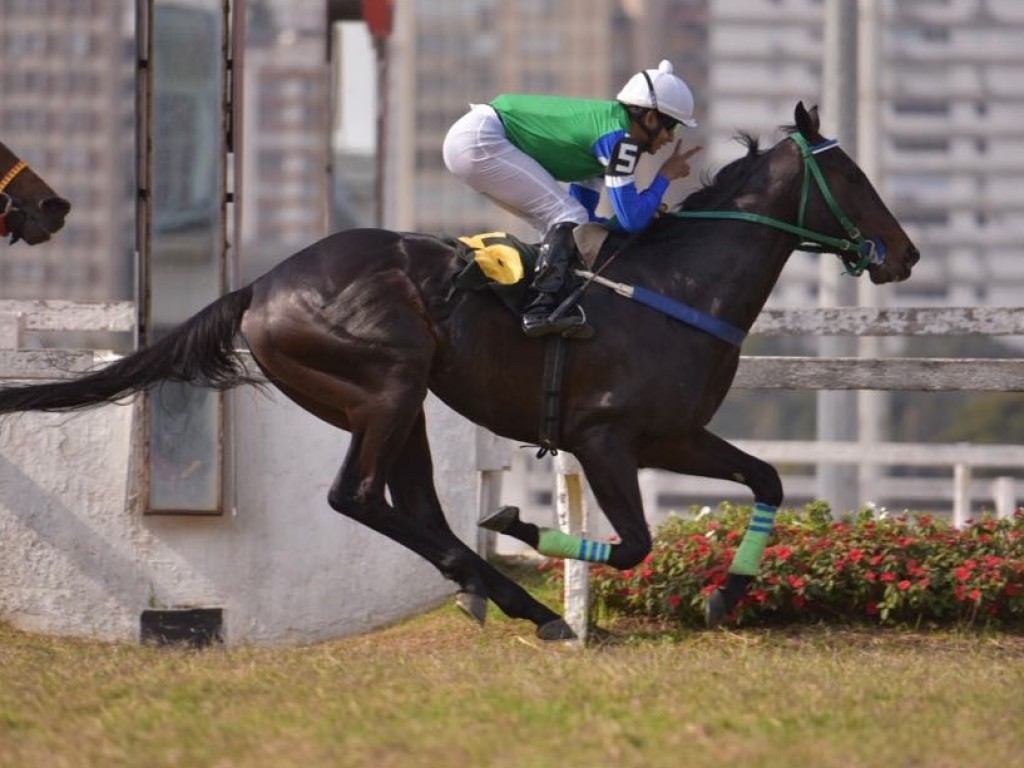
(872, 406)
(380, 47)
(837, 411)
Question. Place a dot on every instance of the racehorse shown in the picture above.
(29, 208)
(357, 327)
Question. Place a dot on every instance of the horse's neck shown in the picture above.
(761, 252)
(731, 270)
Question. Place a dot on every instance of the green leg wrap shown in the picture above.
(554, 543)
(747, 560)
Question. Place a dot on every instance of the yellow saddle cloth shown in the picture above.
(499, 256)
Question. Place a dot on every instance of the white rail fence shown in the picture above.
(794, 373)
(19, 317)
(93, 563)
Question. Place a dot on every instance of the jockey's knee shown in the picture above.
(629, 553)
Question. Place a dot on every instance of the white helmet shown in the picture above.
(662, 91)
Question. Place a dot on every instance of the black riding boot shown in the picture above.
(555, 253)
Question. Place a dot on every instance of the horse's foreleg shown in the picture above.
(549, 542)
(707, 455)
(411, 484)
(611, 472)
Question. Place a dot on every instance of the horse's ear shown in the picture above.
(807, 122)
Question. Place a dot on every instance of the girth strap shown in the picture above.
(551, 396)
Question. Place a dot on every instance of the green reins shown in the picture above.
(866, 251)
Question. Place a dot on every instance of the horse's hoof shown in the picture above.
(556, 630)
(473, 606)
(715, 609)
(500, 520)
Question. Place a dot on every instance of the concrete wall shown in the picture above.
(75, 558)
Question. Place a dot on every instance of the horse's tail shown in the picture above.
(200, 351)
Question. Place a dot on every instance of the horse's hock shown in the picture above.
(78, 555)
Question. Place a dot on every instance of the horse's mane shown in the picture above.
(727, 177)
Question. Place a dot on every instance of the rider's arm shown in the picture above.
(634, 209)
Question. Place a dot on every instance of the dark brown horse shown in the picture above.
(358, 327)
(29, 209)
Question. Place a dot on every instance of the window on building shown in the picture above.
(921, 144)
(921, 107)
(925, 217)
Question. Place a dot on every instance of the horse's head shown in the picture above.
(29, 209)
(846, 206)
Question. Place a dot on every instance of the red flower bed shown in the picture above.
(907, 569)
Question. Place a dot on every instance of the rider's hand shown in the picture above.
(677, 165)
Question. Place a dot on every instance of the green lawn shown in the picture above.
(437, 691)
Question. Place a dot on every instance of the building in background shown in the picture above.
(67, 108)
(679, 31)
(950, 129)
(285, 194)
(447, 55)
(950, 125)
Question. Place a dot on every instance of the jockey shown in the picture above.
(516, 149)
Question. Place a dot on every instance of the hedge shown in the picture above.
(907, 569)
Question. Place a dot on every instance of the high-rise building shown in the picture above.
(285, 133)
(448, 55)
(949, 101)
(67, 108)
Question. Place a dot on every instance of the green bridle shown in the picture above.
(860, 251)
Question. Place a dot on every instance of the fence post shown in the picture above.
(1004, 493)
(961, 494)
(648, 481)
(493, 459)
(571, 505)
(12, 326)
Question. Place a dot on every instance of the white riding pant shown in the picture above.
(478, 152)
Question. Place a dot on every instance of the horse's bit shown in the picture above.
(6, 201)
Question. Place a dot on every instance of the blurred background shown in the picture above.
(331, 123)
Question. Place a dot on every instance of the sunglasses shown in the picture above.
(669, 124)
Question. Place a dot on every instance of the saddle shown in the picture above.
(504, 264)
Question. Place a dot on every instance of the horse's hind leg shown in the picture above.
(358, 492)
(375, 391)
(707, 455)
(411, 484)
(380, 416)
